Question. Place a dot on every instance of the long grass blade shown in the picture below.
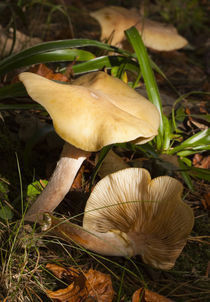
(60, 55)
(148, 75)
(9, 62)
(201, 138)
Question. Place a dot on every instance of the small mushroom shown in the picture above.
(114, 20)
(129, 214)
(96, 111)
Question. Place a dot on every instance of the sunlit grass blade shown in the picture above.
(152, 90)
(60, 55)
(200, 173)
(201, 138)
(9, 62)
(185, 174)
(105, 62)
(200, 149)
(166, 134)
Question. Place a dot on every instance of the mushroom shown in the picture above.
(96, 111)
(114, 20)
(129, 214)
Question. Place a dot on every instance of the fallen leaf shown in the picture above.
(90, 286)
(192, 121)
(48, 73)
(145, 295)
(201, 161)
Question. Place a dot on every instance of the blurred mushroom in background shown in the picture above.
(114, 20)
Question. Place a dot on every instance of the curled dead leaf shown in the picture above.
(145, 295)
(90, 286)
(48, 73)
(201, 161)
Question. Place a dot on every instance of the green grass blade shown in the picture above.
(9, 62)
(107, 62)
(201, 138)
(200, 173)
(148, 75)
(185, 174)
(60, 55)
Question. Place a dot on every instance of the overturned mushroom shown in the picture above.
(129, 214)
(114, 20)
(97, 110)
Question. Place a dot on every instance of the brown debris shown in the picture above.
(145, 295)
(90, 286)
(48, 73)
(200, 161)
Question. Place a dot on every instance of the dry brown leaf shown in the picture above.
(90, 286)
(145, 295)
(201, 161)
(48, 73)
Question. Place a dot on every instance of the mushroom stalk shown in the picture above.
(113, 243)
(59, 184)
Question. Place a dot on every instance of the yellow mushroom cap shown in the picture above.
(92, 117)
(148, 214)
(114, 20)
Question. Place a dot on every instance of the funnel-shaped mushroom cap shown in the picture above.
(115, 20)
(149, 214)
(90, 118)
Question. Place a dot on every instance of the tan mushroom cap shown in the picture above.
(90, 118)
(121, 95)
(115, 20)
(159, 36)
(148, 214)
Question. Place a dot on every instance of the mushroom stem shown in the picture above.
(112, 243)
(59, 184)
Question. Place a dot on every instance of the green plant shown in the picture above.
(170, 139)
